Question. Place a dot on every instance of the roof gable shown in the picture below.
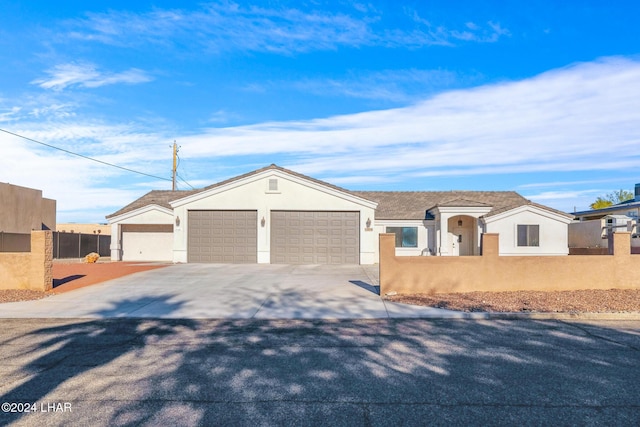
(498, 214)
(272, 170)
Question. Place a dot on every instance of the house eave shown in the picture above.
(133, 213)
(528, 207)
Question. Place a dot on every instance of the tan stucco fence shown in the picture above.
(29, 270)
(491, 272)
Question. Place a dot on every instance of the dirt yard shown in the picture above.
(587, 301)
(70, 275)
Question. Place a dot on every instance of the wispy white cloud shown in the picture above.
(431, 34)
(474, 33)
(628, 180)
(9, 114)
(223, 26)
(577, 118)
(580, 118)
(390, 85)
(87, 75)
(222, 116)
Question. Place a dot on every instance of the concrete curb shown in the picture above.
(635, 316)
(566, 316)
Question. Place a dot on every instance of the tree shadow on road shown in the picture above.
(324, 372)
(58, 354)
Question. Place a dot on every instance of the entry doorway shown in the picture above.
(461, 233)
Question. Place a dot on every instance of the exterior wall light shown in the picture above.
(263, 222)
(459, 223)
(368, 223)
(177, 221)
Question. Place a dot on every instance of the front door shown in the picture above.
(460, 238)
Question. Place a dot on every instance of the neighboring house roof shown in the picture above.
(391, 204)
(598, 213)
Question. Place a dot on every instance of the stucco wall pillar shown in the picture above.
(116, 242)
(490, 244)
(621, 244)
(263, 235)
(41, 268)
(387, 251)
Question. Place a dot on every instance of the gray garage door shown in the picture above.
(223, 236)
(301, 237)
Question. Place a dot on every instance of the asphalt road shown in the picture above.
(379, 372)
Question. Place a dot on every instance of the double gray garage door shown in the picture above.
(297, 237)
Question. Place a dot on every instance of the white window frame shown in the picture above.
(401, 227)
(528, 236)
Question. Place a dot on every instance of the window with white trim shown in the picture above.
(528, 235)
(406, 237)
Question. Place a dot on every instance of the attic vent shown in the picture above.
(273, 185)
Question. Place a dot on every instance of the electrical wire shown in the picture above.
(177, 166)
(83, 156)
(192, 187)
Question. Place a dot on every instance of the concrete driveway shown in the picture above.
(230, 291)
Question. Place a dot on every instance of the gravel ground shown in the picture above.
(587, 301)
(13, 295)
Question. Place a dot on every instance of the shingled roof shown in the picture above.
(165, 197)
(414, 204)
(154, 197)
(391, 204)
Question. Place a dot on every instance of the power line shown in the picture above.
(83, 156)
(178, 175)
(182, 179)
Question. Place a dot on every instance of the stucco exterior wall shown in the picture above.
(49, 214)
(152, 215)
(554, 235)
(29, 270)
(491, 272)
(23, 209)
(292, 194)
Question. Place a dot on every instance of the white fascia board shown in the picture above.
(273, 173)
(136, 212)
(542, 212)
(466, 210)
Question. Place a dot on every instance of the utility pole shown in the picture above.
(175, 157)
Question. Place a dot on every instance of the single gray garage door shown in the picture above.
(311, 237)
(223, 236)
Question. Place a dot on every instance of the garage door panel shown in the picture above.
(147, 246)
(328, 237)
(222, 236)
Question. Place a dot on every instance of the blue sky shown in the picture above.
(540, 97)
